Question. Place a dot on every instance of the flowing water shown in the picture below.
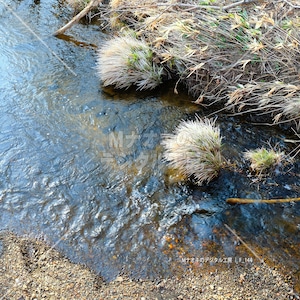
(82, 167)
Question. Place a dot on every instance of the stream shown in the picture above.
(81, 166)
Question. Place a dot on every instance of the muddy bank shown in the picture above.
(30, 269)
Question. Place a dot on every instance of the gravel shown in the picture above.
(30, 269)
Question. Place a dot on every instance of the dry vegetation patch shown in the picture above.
(246, 58)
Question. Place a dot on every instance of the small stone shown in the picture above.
(119, 279)
(242, 278)
(212, 287)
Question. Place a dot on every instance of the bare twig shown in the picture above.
(249, 201)
(291, 4)
(229, 6)
(93, 3)
(188, 6)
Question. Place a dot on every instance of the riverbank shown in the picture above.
(240, 56)
(30, 269)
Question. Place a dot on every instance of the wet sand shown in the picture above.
(30, 269)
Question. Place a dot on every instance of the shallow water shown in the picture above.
(82, 167)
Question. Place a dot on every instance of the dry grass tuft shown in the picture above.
(263, 159)
(126, 61)
(195, 149)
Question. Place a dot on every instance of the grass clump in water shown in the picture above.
(263, 159)
(125, 61)
(195, 149)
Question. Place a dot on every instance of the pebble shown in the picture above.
(119, 279)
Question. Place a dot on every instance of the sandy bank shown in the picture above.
(30, 269)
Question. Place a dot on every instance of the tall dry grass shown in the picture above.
(218, 53)
(245, 59)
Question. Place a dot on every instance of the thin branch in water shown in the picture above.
(245, 244)
(38, 37)
(255, 201)
(93, 3)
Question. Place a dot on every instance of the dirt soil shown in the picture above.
(30, 269)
